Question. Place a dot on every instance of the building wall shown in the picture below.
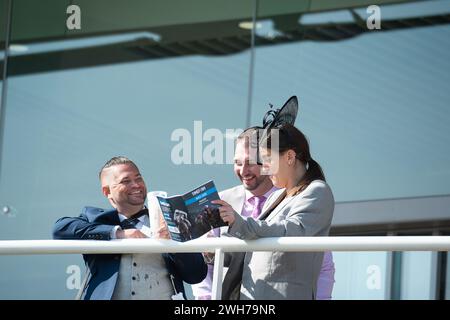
(375, 108)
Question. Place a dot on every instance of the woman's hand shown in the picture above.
(226, 211)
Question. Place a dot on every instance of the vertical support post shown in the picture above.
(389, 272)
(5, 80)
(435, 272)
(252, 65)
(216, 293)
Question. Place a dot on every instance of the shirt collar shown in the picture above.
(249, 194)
(123, 217)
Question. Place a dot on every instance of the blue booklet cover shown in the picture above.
(192, 214)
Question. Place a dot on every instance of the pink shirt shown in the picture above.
(248, 207)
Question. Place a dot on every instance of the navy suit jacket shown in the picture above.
(97, 224)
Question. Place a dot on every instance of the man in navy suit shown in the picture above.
(128, 276)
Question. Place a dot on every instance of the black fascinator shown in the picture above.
(275, 118)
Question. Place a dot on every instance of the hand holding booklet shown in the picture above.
(192, 214)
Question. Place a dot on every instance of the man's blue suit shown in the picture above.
(97, 224)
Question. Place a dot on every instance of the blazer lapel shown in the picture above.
(237, 202)
(235, 197)
(114, 216)
(276, 207)
(103, 216)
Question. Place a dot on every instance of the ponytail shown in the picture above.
(313, 172)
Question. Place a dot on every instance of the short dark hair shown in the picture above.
(250, 136)
(248, 133)
(114, 161)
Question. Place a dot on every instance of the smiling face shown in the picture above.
(248, 171)
(124, 187)
(277, 165)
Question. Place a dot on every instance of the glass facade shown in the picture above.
(361, 276)
(374, 104)
(418, 276)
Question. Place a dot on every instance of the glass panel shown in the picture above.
(375, 102)
(417, 276)
(360, 275)
(127, 85)
(73, 103)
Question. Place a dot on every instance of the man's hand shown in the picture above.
(129, 234)
(163, 231)
(209, 256)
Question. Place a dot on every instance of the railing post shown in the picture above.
(218, 275)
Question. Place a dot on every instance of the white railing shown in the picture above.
(226, 244)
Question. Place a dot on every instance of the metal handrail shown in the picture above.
(226, 244)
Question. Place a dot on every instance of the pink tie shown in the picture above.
(258, 202)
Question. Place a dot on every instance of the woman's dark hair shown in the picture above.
(291, 138)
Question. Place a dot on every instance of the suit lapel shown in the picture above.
(103, 216)
(235, 197)
(237, 202)
(114, 216)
